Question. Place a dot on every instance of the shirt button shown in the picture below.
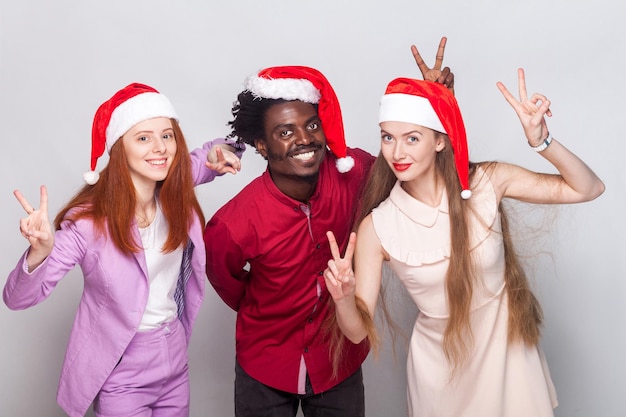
(320, 273)
(310, 320)
(306, 350)
(318, 246)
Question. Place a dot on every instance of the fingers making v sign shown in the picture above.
(531, 111)
(436, 74)
(36, 228)
(339, 275)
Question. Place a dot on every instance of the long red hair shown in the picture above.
(110, 203)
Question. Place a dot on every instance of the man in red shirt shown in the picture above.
(267, 247)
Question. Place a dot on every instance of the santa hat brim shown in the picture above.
(135, 110)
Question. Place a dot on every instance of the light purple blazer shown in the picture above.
(114, 296)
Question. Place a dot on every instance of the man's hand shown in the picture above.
(436, 74)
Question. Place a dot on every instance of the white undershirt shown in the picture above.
(163, 270)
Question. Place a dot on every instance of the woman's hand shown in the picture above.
(531, 111)
(36, 228)
(339, 275)
(222, 158)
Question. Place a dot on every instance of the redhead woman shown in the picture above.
(135, 230)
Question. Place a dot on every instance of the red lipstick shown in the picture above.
(401, 167)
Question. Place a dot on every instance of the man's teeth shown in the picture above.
(303, 156)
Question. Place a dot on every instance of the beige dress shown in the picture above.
(499, 380)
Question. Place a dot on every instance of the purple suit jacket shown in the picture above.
(114, 297)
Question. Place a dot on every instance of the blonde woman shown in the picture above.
(436, 219)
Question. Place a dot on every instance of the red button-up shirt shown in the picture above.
(266, 254)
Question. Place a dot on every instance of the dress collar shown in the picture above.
(416, 210)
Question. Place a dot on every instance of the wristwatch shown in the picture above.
(543, 145)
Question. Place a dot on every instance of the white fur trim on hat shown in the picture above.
(91, 177)
(409, 108)
(135, 110)
(283, 88)
(344, 164)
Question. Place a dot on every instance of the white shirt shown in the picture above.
(163, 270)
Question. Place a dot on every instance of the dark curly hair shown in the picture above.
(248, 111)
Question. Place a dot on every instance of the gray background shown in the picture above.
(59, 60)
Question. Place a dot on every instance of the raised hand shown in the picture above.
(339, 275)
(531, 111)
(36, 227)
(222, 159)
(436, 74)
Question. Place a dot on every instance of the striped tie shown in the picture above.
(183, 277)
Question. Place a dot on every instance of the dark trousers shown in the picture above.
(254, 399)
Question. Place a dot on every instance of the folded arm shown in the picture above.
(224, 263)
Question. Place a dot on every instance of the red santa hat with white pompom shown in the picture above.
(130, 105)
(308, 85)
(431, 105)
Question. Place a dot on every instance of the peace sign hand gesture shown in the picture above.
(339, 275)
(531, 111)
(436, 74)
(36, 228)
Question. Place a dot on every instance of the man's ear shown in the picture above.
(260, 147)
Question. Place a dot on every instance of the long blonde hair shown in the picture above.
(525, 314)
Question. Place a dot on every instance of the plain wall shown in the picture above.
(60, 60)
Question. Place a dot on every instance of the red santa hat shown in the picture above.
(130, 105)
(308, 85)
(431, 105)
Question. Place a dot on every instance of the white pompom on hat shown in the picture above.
(311, 86)
(116, 116)
(431, 105)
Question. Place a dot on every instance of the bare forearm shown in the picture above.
(350, 320)
(577, 174)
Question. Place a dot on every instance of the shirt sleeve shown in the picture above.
(225, 263)
(25, 289)
(201, 173)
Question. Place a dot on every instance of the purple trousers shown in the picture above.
(152, 378)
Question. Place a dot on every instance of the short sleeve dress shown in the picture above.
(499, 379)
